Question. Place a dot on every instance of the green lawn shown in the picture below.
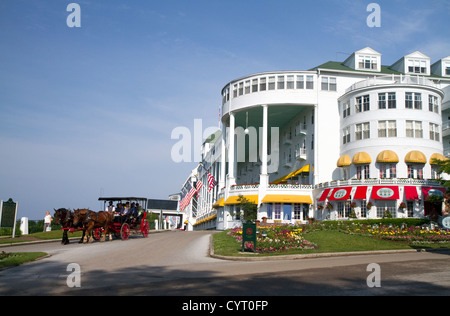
(17, 258)
(327, 241)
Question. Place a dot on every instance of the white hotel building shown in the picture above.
(341, 139)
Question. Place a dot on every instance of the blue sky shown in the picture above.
(89, 111)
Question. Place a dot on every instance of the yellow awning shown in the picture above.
(282, 198)
(219, 203)
(235, 199)
(387, 156)
(437, 157)
(344, 161)
(415, 156)
(306, 168)
(361, 158)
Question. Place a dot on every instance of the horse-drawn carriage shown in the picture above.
(123, 225)
(97, 225)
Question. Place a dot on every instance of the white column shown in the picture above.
(223, 159)
(264, 177)
(231, 177)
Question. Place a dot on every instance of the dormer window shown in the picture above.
(365, 59)
(417, 66)
(367, 62)
(447, 68)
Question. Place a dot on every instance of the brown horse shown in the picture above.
(64, 217)
(91, 220)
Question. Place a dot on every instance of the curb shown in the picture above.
(317, 255)
(44, 241)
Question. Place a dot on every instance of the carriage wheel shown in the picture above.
(125, 231)
(145, 229)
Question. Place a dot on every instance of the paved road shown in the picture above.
(176, 263)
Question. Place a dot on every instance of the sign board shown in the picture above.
(249, 234)
(8, 214)
(446, 222)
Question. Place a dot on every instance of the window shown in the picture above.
(434, 132)
(392, 102)
(366, 103)
(343, 209)
(280, 81)
(235, 90)
(362, 131)
(381, 100)
(271, 83)
(362, 172)
(383, 206)
(309, 82)
(418, 101)
(362, 103)
(409, 100)
(413, 99)
(388, 171)
(290, 82)
(277, 211)
(433, 105)
(417, 66)
(241, 88)
(329, 83)
(300, 82)
(414, 129)
(367, 62)
(346, 135)
(346, 109)
(255, 85)
(262, 84)
(324, 83)
(415, 171)
(297, 211)
(247, 87)
(387, 129)
(363, 208)
(435, 172)
(410, 208)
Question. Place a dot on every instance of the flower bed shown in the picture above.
(412, 234)
(279, 238)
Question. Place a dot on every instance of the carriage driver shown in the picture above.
(110, 207)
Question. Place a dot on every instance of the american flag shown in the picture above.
(212, 183)
(186, 200)
(199, 186)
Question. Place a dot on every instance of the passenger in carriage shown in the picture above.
(126, 213)
(118, 217)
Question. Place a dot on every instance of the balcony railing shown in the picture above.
(393, 79)
(339, 183)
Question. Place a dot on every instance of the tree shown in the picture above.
(444, 168)
(250, 209)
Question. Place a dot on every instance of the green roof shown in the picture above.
(337, 65)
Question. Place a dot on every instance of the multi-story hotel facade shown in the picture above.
(343, 139)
